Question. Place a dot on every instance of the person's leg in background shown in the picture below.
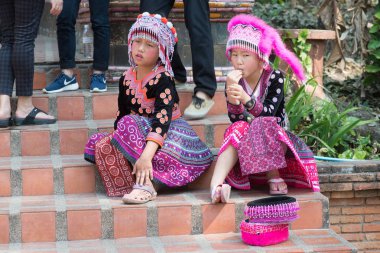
(163, 8)
(19, 54)
(197, 18)
(7, 18)
(101, 29)
(66, 21)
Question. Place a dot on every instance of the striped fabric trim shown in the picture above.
(245, 45)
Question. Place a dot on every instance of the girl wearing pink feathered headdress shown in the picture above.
(257, 148)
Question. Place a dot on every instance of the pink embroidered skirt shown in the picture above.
(298, 167)
(182, 158)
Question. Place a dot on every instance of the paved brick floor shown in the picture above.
(300, 241)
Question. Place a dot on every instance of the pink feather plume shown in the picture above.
(270, 40)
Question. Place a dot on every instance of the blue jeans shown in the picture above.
(66, 33)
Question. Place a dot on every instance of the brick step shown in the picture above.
(305, 240)
(95, 216)
(60, 174)
(70, 137)
(81, 104)
(47, 72)
(71, 174)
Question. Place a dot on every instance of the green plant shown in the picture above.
(361, 148)
(321, 124)
(324, 127)
(372, 68)
(302, 49)
(282, 14)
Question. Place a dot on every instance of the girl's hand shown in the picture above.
(235, 92)
(233, 77)
(56, 7)
(144, 171)
(232, 100)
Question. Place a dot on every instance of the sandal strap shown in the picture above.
(276, 180)
(214, 189)
(31, 116)
(147, 188)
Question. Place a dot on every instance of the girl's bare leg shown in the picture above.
(224, 165)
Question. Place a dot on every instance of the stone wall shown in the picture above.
(353, 190)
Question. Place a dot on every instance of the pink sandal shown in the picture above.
(139, 199)
(223, 195)
(276, 181)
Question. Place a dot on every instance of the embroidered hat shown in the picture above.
(250, 33)
(268, 220)
(263, 234)
(279, 209)
(158, 30)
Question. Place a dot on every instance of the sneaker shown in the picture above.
(62, 83)
(98, 83)
(198, 108)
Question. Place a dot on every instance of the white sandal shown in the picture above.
(128, 199)
(276, 181)
(223, 195)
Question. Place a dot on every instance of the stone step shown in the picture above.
(306, 240)
(70, 137)
(60, 174)
(47, 72)
(82, 104)
(54, 218)
(71, 174)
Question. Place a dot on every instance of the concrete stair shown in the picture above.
(50, 194)
(54, 201)
(88, 216)
(51, 200)
(309, 240)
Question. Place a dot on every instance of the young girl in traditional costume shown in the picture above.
(151, 140)
(257, 148)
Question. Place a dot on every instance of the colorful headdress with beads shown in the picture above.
(250, 33)
(157, 29)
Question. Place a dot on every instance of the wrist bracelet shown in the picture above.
(250, 104)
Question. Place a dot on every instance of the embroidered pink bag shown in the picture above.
(260, 150)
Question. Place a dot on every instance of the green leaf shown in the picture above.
(346, 154)
(374, 28)
(321, 141)
(374, 44)
(343, 114)
(359, 154)
(372, 69)
(376, 53)
(295, 98)
(377, 15)
(346, 129)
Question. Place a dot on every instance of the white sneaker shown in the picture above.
(198, 108)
